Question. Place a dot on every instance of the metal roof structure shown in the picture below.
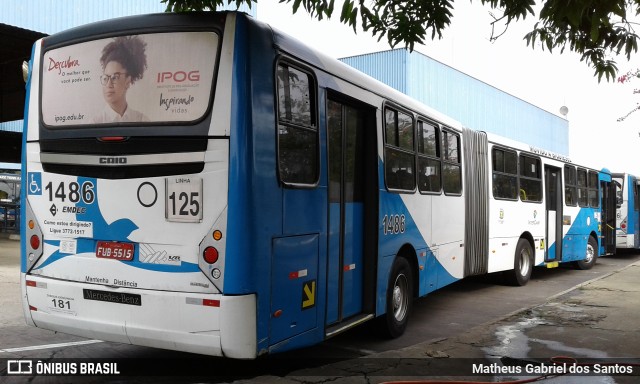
(15, 48)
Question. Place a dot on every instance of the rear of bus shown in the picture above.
(125, 228)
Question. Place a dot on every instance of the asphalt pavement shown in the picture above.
(587, 334)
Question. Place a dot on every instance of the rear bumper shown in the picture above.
(625, 241)
(210, 324)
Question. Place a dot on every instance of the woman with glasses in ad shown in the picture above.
(123, 63)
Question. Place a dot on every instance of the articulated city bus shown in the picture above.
(202, 182)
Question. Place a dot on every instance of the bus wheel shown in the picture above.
(522, 265)
(399, 300)
(591, 256)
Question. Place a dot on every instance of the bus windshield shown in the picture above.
(129, 79)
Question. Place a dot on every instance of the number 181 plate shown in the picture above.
(184, 199)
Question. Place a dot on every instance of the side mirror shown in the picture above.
(619, 199)
(25, 71)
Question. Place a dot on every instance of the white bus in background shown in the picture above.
(627, 211)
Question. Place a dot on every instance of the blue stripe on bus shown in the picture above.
(236, 280)
(23, 171)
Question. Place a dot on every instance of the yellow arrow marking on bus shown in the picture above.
(309, 294)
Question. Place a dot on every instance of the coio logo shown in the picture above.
(178, 76)
(113, 160)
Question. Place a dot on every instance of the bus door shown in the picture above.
(553, 197)
(608, 219)
(349, 192)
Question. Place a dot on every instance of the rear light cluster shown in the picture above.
(34, 240)
(211, 254)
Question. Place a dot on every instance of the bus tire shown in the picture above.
(399, 300)
(590, 257)
(522, 265)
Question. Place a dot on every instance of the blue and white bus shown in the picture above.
(627, 213)
(202, 182)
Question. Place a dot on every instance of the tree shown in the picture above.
(595, 29)
(627, 77)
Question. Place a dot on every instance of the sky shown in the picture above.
(547, 80)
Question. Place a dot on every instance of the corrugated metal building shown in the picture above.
(476, 104)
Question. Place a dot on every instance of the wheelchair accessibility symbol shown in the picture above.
(35, 183)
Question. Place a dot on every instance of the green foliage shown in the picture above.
(401, 21)
(201, 5)
(595, 29)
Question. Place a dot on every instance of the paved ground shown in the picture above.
(596, 324)
(9, 281)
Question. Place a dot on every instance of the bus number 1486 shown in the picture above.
(73, 191)
(393, 224)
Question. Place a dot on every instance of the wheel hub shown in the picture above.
(400, 297)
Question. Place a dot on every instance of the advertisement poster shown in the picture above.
(162, 77)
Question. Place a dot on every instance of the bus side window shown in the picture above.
(451, 168)
(505, 174)
(593, 192)
(570, 185)
(530, 179)
(583, 200)
(399, 151)
(429, 167)
(297, 127)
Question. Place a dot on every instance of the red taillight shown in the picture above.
(210, 255)
(211, 303)
(623, 225)
(34, 242)
(31, 283)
